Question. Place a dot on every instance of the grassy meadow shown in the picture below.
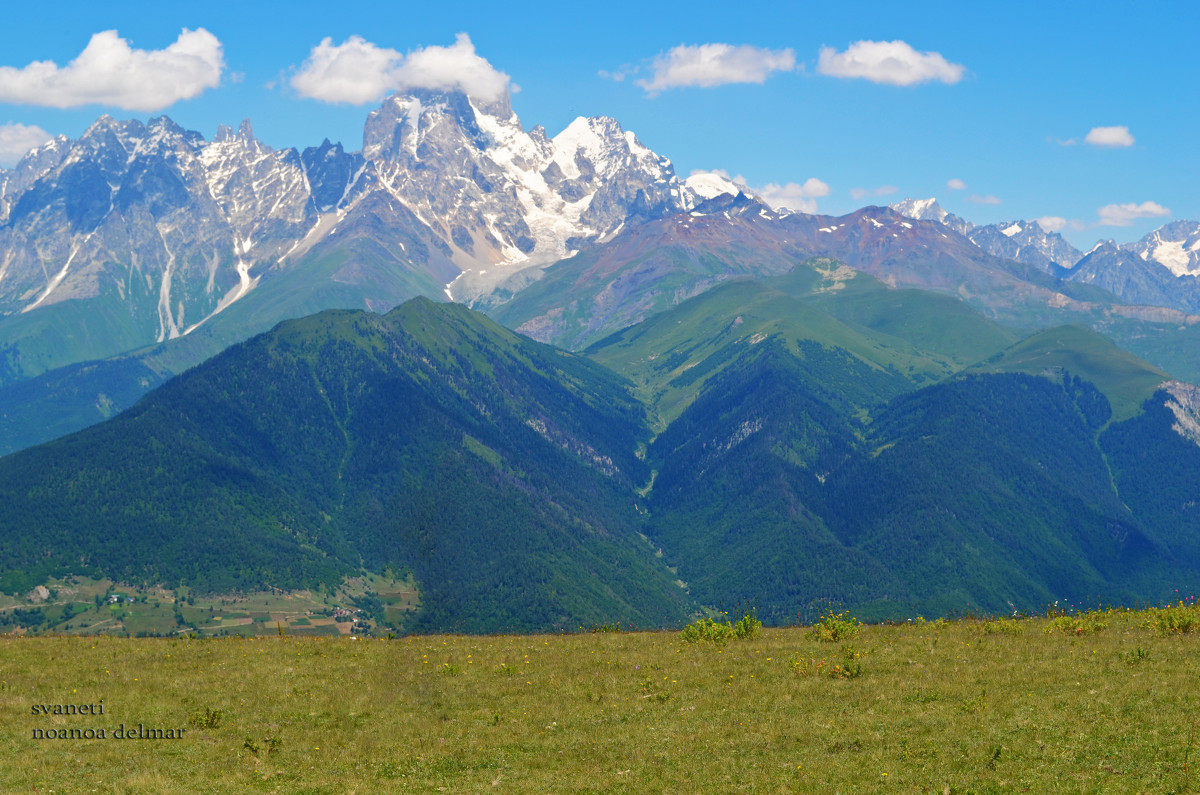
(1106, 701)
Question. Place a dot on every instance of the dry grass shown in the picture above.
(967, 706)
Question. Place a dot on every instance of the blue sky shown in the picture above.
(1083, 114)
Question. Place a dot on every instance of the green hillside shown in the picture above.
(791, 443)
(933, 322)
(991, 490)
(429, 440)
(1125, 380)
(670, 356)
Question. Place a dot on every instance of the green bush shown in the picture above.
(1002, 626)
(748, 626)
(1077, 623)
(1177, 619)
(833, 627)
(706, 630)
(848, 667)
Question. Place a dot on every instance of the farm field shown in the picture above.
(86, 606)
(1103, 701)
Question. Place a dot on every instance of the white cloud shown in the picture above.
(956, 184)
(709, 65)
(882, 190)
(895, 63)
(1126, 214)
(794, 196)
(110, 72)
(357, 72)
(989, 199)
(801, 198)
(17, 139)
(1051, 223)
(456, 67)
(1110, 137)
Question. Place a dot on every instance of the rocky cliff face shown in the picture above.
(140, 233)
(1184, 403)
(1136, 280)
(503, 198)
(152, 227)
(1028, 242)
(1175, 246)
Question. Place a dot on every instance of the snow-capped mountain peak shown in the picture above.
(921, 209)
(503, 198)
(704, 185)
(1175, 246)
(930, 210)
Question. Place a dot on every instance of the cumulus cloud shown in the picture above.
(1051, 223)
(17, 139)
(716, 64)
(110, 72)
(977, 199)
(1110, 137)
(793, 195)
(956, 184)
(1126, 214)
(357, 72)
(882, 190)
(895, 63)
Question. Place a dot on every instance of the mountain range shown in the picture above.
(769, 442)
(676, 395)
(141, 249)
(1160, 269)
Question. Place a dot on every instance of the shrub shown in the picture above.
(1136, 656)
(208, 718)
(1002, 626)
(748, 626)
(706, 630)
(1177, 619)
(835, 627)
(1076, 624)
(848, 667)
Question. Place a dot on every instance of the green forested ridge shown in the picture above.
(737, 501)
(968, 495)
(820, 439)
(972, 494)
(989, 490)
(1158, 474)
(1126, 381)
(917, 337)
(349, 439)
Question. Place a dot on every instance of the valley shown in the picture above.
(545, 382)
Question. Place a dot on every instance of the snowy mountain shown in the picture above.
(1175, 246)
(930, 210)
(1028, 242)
(1160, 270)
(503, 198)
(135, 233)
(1022, 241)
(145, 230)
(1136, 279)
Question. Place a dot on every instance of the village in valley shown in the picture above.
(366, 605)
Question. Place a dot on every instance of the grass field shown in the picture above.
(1100, 702)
